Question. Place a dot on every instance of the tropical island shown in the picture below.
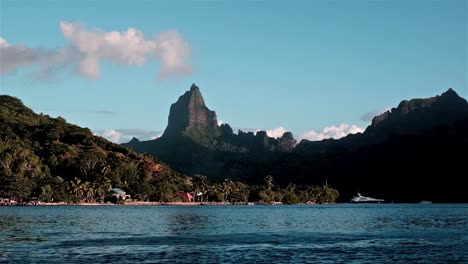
(49, 160)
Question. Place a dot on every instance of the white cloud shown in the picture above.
(126, 134)
(88, 48)
(275, 132)
(127, 47)
(220, 122)
(111, 135)
(3, 43)
(335, 132)
(174, 52)
(14, 57)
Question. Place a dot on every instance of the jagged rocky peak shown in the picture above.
(451, 97)
(286, 142)
(226, 129)
(262, 137)
(190, 115)
(287, 136)
(450, 92)
(381, 117)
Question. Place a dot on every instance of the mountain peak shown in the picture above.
(418, 114)
(450, 90)
(190, 116)
(450, 93)
(134, 140)
(194, 88)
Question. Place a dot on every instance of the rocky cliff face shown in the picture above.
(286, 142)
(189, 116)
(195, 144)
(419, 114)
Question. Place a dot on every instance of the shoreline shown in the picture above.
(139, 203)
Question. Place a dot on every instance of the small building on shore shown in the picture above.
(187, 197)
(120, 194)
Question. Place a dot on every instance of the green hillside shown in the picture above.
(53, 160)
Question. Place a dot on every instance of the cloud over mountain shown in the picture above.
(276, 132)
(335, 132)
(88, 48)
(126, 134)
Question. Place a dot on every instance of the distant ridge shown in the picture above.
(419, 114)
(409, 117)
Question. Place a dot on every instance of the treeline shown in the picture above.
(54, 161)
(229, 191)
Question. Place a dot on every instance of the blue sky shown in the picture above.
(299, 65)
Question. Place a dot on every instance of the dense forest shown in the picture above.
(50, 160)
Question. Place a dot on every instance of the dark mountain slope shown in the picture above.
(409, 117)
(419, 114)
(430, 165)
(415, 151)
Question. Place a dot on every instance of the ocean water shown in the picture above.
(348, 233)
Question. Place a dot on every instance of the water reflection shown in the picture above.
(244, 234)
(180, 222)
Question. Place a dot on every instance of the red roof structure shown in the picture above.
(187, 196)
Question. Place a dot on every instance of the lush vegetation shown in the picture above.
(51, 160)
(268, 192)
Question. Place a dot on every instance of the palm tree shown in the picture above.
(212, 192)
(89, 191)
(227, 187)
(269, 182)
(201, 184)
(291, 187)
(240, 192)
(76, 188)
(101, 187)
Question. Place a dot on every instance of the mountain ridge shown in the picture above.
(421, 126)
(419, 114)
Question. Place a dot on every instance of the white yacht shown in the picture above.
(362, 199)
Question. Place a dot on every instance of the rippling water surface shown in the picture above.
(421, 233)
